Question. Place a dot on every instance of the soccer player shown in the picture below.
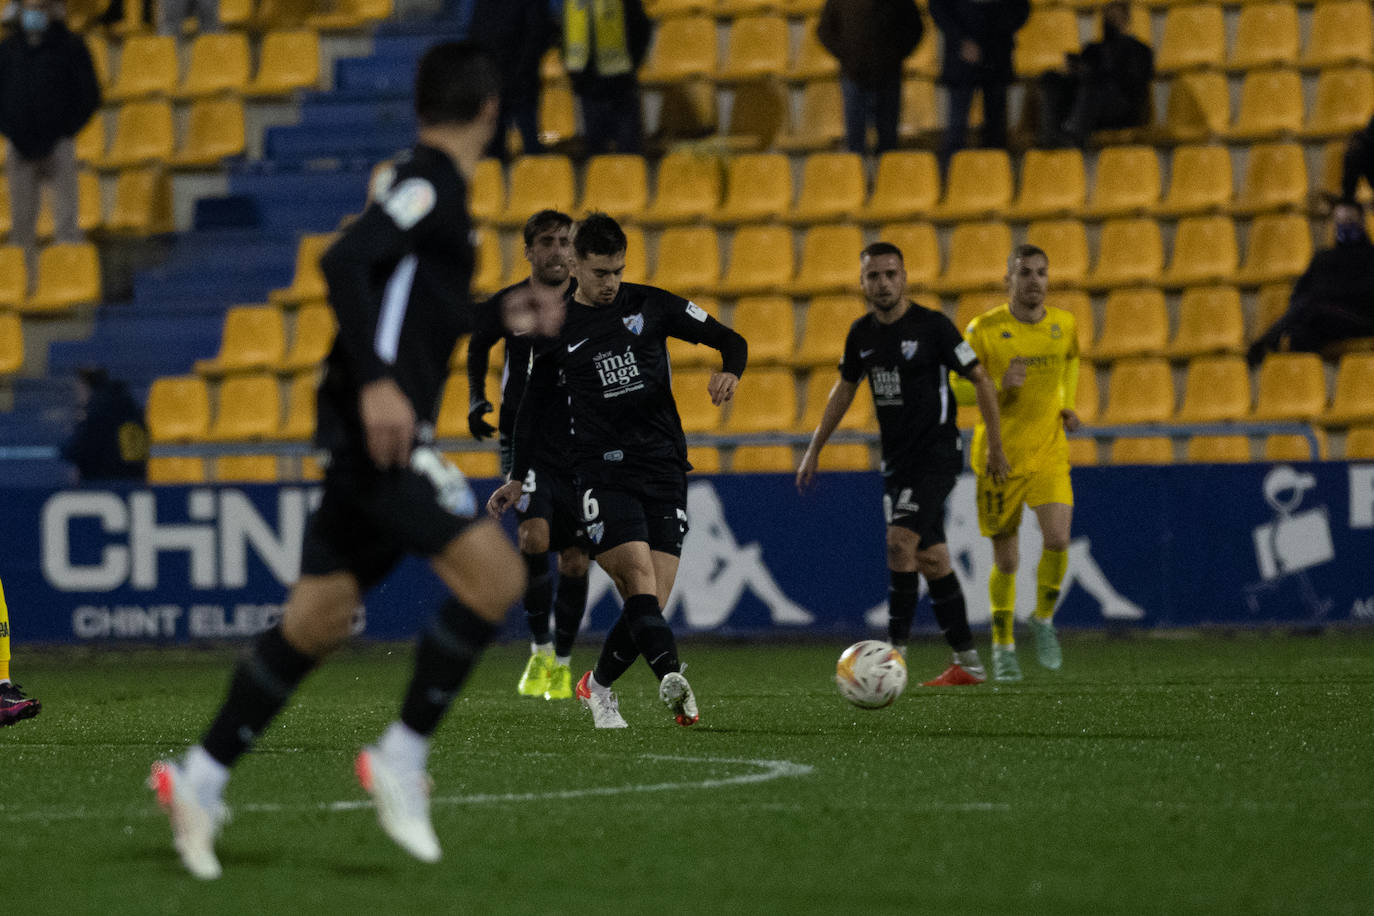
(628, 451)
(398, 281)
(907, 352)
(1032, 350)
(14, 706)
(548, 511)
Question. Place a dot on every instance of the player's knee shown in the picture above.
(573, 562)
(318, 617)
(933, 564)
(901, 553)
(532, 540)
(483, 571)
(1056, 541)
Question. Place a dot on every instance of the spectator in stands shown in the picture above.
(604, 43)
(516, 33)
(172, 15)
(1334, 298)
(979, 38)
(114, 13)
(870, 39)
(1105, 87)
(110, 441)
(48, 91)
(1358, 162)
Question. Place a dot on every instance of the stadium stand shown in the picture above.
(1139, 390)
(1053, 183)
(1200, 181)
(1217, 389)
(1127, 182)
(1135, 323)
(1218, 449)
(832, 189)
(907, 186)
(1210, 320)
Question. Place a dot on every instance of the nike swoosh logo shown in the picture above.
(865, 354)
(572, 347)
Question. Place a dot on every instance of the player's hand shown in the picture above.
(1071, 421)
(999, 468)
(722, 386)
(527, 310)
(480, 428)
(504, 497)
(388, 423)
(806, 471)
(1015, 376)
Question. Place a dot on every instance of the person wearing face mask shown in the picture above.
(1334, 298)
(48, 91)
(1106, 87)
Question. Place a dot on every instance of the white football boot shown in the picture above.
(402, 800)
(677, 695)
(194, 825)
(604, 704)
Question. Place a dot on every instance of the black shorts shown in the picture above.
(653, 510)
(916, 501)
(552, 495)
(367, 520)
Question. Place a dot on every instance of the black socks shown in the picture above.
(262, 683)
(448, 650)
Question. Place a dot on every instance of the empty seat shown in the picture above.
(734, 9)
(452, 419)
(1199, 107)
(1204, 252)
(68, 276)
(760, 261)
(907, 186)
(1142, 450)
(832, 189)
(307, 284)
(537, 183)
(1353, 400)
(1199, 182)
(688, 111)
(1087, 397)
(348, 15)
(829, 261)
(978, 185)
(1210, 320)
(970, 305)
(1341, 32)
(1083, 452)
(1130, 253)
(1216, 389)
(617, 185)
(89, 211)
(1292, 386)
(1065, 241)
(11, 343)
(247, 469)
(812, 61)
(488, 276)
(1270, 106)
(1279, 248)
(1359, 444)
(824, 329)
(557, 120)
(214, 132)
(1218, 449)
(1344, 102)
(768, 459)
(1078, 303)
(147, 67)
(90, 141)
(142, 203)
(1053, 183)
(687, 189)
(143, 135)
(14, 276)
(694, 405)
(859, 418)
(636, 256)
(756, 48)
(683, 48)
(1294, 447)
(920, 115)
(977, 257)
(1049, 34)
(1275, 179)
(167, 469)
(476, 464)
(178, 409)
(487, 194)
(1140, 390)
(769, 325)
(688, 260)
(1135, 322)
(758, 187)
(1270, 302)
(846, 456)
(254, 338)
(219, 63)
(1266, 36)
(819, 123)
(767, 404)
(99, 49)
(299, 425)
(289, 60)
(1127, 182)
(758, 113)
(1194, 37)
(248, 407)
(705, 459)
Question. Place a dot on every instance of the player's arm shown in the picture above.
(540, 388)
(999, 468)
(486, 332)
(836, 406)
(1070, 385)
(690, 322)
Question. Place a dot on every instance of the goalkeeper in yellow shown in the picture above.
(1030, 349)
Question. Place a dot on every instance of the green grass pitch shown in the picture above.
(1206, 774)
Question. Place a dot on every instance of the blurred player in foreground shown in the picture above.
(14, 706)
(907, 352)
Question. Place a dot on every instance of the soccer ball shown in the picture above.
(871, 674)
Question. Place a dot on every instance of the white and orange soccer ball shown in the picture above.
(871, 674)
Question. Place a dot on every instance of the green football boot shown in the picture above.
(1047, 650)
(560, 683)
(535, 681)
(1005, 667)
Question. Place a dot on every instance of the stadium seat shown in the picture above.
(907, 186)
(1053, 183)
(1049, 34)
(1204, 252)
(1217, 450)
(970, 305)
(734, 9)
(247, 469)
(282, 14)
(684, 48)
(1130, 253)
(1266, 36)
(89, 211)
(1194, 38)
(350, 15)
(248, 408)
(819, 124)
(977, 257)
(920, 247)
(11, 343)
(488, 276)
(476, 464)
(688, 260)
(214, 132)
(694, 405)
(254, 338)
(812, 61)
(760, 261)
(14, 276)
(1270, 106)
(1275, 179)
(688, 111)
(687, 189)
(219, 64)
(1139, 390)
(617, 185)
(920, 114)
(68, 276)
(769, 324)
(824, 329)
(705, 459)
(1292, 386)
(978, 185)
(143, 135)
(832, 189)
(1199, 107)
(452, 420)
(765, 459)
(299, 425)
(1270, 302)
(767, 404)
(859, 418)
(924, 62)
(537, 183)
(1344, 102)
(557, 120)
(1210, 320)
(167, 469)
(307, 285)
(1279, 248)
(147, 67)
(1199, 181)
(178, 409)
(666, 9)
(487, 197)
(142, 203)
(829, 261)
(636, 256)
(1340, 32)
(1142, 450)
(90, 142)
(1083, 452)
(846, 456)
(758, 115)
(1216, 389)
(1127, 182)
(100, 55)
(289, 60)
(1353, 400)
(1135, 322)
(1065, 241)
(1293, 447)
(1078, 303)
(234, 14)
(758, 187)
(1359, 444)
(1088, 396)
(756, 49)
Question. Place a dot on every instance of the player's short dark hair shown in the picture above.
(877, 249)
(599, 234)
(1020, 252)
(545, 221)
(453, 81)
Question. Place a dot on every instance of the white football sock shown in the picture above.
(403, 746)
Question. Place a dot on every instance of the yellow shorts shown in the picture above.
(999, 506)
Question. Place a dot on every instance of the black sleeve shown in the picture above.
(828, 28)
(1358, 161)
(1017, 12)
(539, 390)
(851, 365)
(87, 102)
(913, 29)
(639, 29)
(957, 353)
(690, 322)
(485, 333)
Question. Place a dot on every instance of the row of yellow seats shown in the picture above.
(142, 205)
(1267, 34)
(68, 277)
(218, 63)
(1271, 105)
(253, 15)
(145, 134)
(255, 338)
(1223, 449)
(248, 407)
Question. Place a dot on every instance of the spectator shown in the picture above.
(870, 39)
(604, 42)
(110, 441)
(1334, 298)
(515, 33)
(48, 91)
(979, 36)
(172, 15)
(1106, 87)
(1358, 162)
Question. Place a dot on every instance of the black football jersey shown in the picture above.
(519, 353)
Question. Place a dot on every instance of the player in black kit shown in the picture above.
(548, 508)
(628, 451)
(398, 282)
(907, 353)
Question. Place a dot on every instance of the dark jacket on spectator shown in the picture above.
(1124, 65)
(516, 33)
(1359, 161)
(992, 25)
(48, 91)
(638, 31)
(870, 38)
(110, 441)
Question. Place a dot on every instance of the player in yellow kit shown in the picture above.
(1031, 350)
(14, 706)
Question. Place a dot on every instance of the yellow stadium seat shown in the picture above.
(765, 459)
(666, 9)
(1210, 320)
(1294, 447)
(236, 14)
(859, 418)
(1065, 241)
(350, 15)
(1199, 182)
(1279, 248)
(214, 132)
(557, 117)
(1127, 182)
(11, 343)
(1353, 401)
(1204, 252)
(1135, 322)
(688, 260)
(90, 141)
(1130, 253)
(1216, 390)
(920, 115)
(1218, 449)
(812, 61)
(147, 67)
(824, 329)
(688, 111)
(924, 62)
(1340, 32)
(733, 9)
(100, 55)
(247, 469)
(795, 9)
(1266, 36)
(758, 187)
(1199, 107)
(289, 60)
(767, 403)
(487, 198)
(537, 183)
(758, 114)
(694, 405)
(1194, 38)
(1270, 106)
(977, 257)
(829, 261)
(756, 49)
(1359, 444)
(1292, 386)
(907, 186)
(452, 420)
(684, 48)
(219, 63)
(299, 425)
(176, 470)
(705, 459)
(282, 14)
(308, 282)
(1088, 397)
(254, 338)
(68, 276)
(248, 407)
(819, 124)
(636, 256)
(978, 185)
(1083, 452)
(617, 185)
(687, 189)
(1080, 305)
(143, 135)
(1344, 102)
(1275, 179)
(760, 261)
(769, 324)
(1049, 34)
(1142, 450)
(488, 277)
(832, 189)
(1053, 183)
(476, 464)
(1140, 390)
(1270, 303)
(846, 456)
(14, 275)
(178, 409)
(970, 305)
(142, 203)
(89, 215)
(920, 247)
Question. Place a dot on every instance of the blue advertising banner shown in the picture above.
(1169, 546)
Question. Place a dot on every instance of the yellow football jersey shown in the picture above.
(1032, 430)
